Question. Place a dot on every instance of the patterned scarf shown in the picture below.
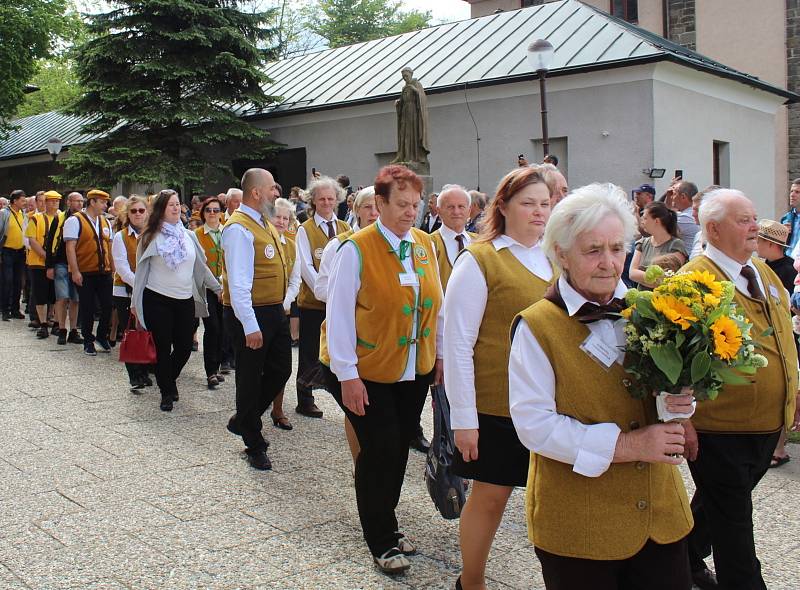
(173, 248)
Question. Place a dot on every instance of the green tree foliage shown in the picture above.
(343, 22)
(29, 31)
(166, 82)
(58, 87)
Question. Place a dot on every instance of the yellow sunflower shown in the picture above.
(627, 312)
(674, 310)
(727, 338)
(707, 280)
(710, 301)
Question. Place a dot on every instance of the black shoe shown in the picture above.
(259, 461)
(6, 317)
(18, 315)
(74, 337)
(34, 325)
(420, 443)
(136, 384)
(220, 378)
(311, 410)
(104, 345)
(62, 337)
(225, 368)
(232, 427)
(704, 579)
(54, 330)
(42, 333)
(281, 422)
(212, 382)
(112, 343)
(147, 381)
(166, 404)
(88, 348)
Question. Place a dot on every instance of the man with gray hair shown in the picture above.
(729, 441)
(476, 208)
(451, 238)
(312, 237)
(233, 199)
(556, 183)
(682, 204)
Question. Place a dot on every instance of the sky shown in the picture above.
(442, 10)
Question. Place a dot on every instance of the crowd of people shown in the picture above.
(497, 299)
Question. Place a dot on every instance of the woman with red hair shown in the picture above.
(384, 337)
(498, 275)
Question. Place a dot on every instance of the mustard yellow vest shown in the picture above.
(93, 251)
(768, 403)
(384, 309)
(324, 357)
(511, 288)
(317, 240)
(611, 516)
(215, 257)
(131, 242)
(270, 275)
(445, 267)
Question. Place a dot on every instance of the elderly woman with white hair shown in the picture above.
(322, 226)
(606, 505)
(499, 274)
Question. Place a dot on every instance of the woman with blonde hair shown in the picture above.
(498, 275)
(131, 220)
(282, 218)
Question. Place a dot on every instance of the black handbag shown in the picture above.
(445, 487)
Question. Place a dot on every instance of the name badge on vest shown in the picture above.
(318, 253)
(603, 354)
(269, 252)
(105, 231)
(409, 279)
(773, 290)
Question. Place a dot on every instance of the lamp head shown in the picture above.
(540, 55)
(54, 146)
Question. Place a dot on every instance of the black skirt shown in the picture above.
(502, 459)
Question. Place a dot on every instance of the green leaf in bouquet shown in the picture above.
(667, 358)
(679, 339)
(732, 377)
(645, 309)
(767, 332)
(701, 365)
(746, 369)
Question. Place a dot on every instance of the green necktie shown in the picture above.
(405, 245)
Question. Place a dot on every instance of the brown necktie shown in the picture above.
(331, 231)
(591, 312)
(460, 240)
(752, 284)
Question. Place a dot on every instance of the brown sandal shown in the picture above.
(281, 422)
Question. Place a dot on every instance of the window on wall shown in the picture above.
(721, 163)
(626, 9)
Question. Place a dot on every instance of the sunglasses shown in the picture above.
(134, 211)
(209, 210)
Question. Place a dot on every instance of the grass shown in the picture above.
(794, 437)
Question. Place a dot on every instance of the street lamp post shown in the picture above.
(540, 56)
(54, 146)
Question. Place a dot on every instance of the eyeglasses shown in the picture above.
(134, 211)
(209, 210)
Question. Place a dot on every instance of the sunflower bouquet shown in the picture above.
(687, 332)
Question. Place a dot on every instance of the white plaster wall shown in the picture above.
(618, 103)
(690, 117)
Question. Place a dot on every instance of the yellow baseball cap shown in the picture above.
(52, 196)
(96, 193)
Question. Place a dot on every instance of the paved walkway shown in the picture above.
(100, 489)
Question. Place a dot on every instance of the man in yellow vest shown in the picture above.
(312, 237)
(88, 242)
(255, 279)
(36, 232)
(58, 271)
(384, 340)
(737, 432)
(12, 235)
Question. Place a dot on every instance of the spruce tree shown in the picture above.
(164, 83)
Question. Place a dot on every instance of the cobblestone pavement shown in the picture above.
(100, 489)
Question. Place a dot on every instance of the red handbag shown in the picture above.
(137, 346)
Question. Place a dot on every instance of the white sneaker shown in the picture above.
(392, 562)
(405, 546)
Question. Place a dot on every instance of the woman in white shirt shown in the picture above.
(169, 290)
(499, 274)
(283, 218)
(606, 506)
(123, 251)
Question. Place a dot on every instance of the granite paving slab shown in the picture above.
(100, 489)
